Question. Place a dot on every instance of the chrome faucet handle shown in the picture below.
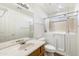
(20, 41)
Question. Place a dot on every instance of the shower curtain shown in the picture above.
(65, 41)
(71, 36)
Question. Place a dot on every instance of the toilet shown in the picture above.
(49, 49)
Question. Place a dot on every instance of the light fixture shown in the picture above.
(2, 11)
(23, 5)
(60, 6)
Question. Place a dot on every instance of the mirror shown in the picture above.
(15, 25)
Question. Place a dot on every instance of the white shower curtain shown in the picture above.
(71, 36)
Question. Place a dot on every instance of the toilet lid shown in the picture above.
(49, 48)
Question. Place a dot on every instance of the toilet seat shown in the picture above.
(50, 48)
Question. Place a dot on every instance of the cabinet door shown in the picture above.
(35, 53)
(42, 50)
(39, 52)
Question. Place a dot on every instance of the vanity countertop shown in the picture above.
(17, 51)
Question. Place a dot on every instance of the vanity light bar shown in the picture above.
(2, 12)
(23, 5)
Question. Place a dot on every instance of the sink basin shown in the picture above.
(26, 46)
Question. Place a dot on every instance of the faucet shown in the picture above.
(21, 41)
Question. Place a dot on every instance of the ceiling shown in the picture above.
(53, 8)
(45, 9)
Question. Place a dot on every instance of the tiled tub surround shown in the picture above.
(14, 49)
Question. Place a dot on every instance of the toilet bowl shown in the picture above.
(50, 49)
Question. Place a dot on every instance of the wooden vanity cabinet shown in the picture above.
(39, 52)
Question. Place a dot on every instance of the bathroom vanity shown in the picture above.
(31, 48)
(38, 52)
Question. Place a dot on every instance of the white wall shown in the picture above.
(50, 38)
(38, 26)
(14, 25)
(38, 14)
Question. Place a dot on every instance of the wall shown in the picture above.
(38, 26)
(14, 25)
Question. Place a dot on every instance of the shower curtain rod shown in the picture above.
(59, 21)
(63, 14)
